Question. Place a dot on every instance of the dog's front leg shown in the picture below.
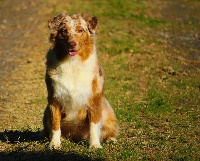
(95, 117)
(55, 132)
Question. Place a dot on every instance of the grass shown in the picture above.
(158, 112)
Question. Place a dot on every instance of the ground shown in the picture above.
(150, 51)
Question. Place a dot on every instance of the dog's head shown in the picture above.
(73, 34)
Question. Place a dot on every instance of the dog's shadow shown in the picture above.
(14, 137)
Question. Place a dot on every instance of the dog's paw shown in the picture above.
(96, 146)
(55, 144)
(55, 141)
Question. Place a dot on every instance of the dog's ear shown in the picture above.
(91, 22)
(54, 24)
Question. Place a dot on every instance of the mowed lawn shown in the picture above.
(155, 94)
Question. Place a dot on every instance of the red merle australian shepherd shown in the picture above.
(77, 108)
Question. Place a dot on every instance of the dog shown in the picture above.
(77, 109)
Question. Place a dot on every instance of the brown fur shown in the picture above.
(86, 46)
(56, 117)
(94, 85)
(95, 102)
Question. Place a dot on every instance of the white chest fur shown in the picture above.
(73, 83)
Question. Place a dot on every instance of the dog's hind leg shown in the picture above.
(110, 127)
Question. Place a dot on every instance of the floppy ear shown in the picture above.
(54, 24)
(91, 22)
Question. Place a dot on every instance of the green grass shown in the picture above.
(158, 118)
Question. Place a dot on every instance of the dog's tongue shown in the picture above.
(72, 53)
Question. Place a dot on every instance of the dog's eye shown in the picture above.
(64, 31)
(80, 30)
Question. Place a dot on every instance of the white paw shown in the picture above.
(95, 146)
(55, 144)
(55, 141)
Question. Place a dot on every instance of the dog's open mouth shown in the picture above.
(72, 52)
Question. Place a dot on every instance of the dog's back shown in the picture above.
(76, 105)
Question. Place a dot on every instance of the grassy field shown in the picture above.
(155, 94)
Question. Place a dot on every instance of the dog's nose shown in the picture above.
(72, 44)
